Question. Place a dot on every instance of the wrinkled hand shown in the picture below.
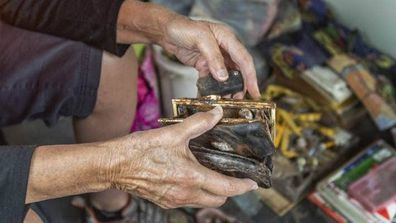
(158, 165)
(210, 48)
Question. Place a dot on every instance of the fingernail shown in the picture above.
(218, 110)
(255, 186)
(222, 74)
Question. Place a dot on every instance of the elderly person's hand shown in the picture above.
(209, 47)
(158, 165)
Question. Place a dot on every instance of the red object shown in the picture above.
(318, 201)
(377, 189)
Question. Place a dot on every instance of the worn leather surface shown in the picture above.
(238, 150)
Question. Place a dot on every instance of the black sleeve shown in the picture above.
(90, 21)
(14, 174)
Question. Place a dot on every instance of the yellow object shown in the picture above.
(278, 59)
(285, 145)
(384, 61)
(327, 42)
(329, 144)
(308, 117)
(279, 135)
(276, 90)
(287, 118)
(291, 123)
(139, 50)
(311, 125)
(329, 132)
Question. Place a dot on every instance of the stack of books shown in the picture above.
(364, 190)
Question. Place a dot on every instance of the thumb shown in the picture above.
(201, 122)
(210, 50)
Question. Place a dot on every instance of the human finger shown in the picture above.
(223, 185)
(210, 50)
(239, 55)
(200, 123)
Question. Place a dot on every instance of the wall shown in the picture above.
(375, 18)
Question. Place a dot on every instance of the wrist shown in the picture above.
(119, 160)
(103, 165)
(140, 22)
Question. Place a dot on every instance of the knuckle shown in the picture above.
(186, 196)
(220, 202)
(171, 206)
(227, 29)
(191, 179)
(166, 206)
(208, 117)
(181, 199)
(176, 200)
(196, 177)
(247, 59)
(171, 197)
(202, 118)
(178, 139)
(203, 32)
(206, 121)
(179, 176)
(230, 189)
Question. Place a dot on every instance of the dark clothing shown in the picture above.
(44, 76)
(14, 173)
(90, 21)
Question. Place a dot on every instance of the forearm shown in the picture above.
(140, 22)
(64, 170)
